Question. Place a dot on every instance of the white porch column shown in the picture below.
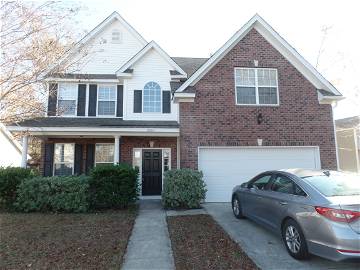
(117, 149)
(24, 152)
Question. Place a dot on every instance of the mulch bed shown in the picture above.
(64, 241)
(198, 242)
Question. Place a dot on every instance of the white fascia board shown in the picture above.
(274, 39)
(328, 99)
(184, 97)
(93, 33)
(95, 131)
(52, 79)
(143, 51)
(10, 137)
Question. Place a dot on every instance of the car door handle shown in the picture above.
(283, 203)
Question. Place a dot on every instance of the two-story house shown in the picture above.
(255, 105)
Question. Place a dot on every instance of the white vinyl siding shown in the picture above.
(152, 67)
(67, 99)
(105, 57)
(256, 86)
(104, 153)
(226, 167)
(64, 155)
(106, 100)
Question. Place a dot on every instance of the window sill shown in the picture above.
(258, 105)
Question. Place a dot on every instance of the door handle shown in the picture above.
(283, 203)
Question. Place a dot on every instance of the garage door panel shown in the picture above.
(225, 168)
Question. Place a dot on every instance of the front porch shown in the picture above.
(78, 155)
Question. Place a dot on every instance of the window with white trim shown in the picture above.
(256, 86)
(64, 158)
(152, 97)
(67, 99)
(116, 36)
(106, 100)
(104, 153)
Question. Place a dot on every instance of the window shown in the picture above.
(261, 182)
(67, 99)
(106, 100)
(116, 36)
(166, 157)
(64, 159)
(104, 154)
(283, 184)
(257, 86)
(336, 184)
(152, 97)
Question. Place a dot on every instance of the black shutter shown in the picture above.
(78, 159)
(166, 106)
(90, 157)
(81, 100)
(119, 109)
(137, 101)
(92, 99)
(52, 101)
(48, 159)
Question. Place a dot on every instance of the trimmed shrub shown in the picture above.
(10, 178)
(113, 186)
(183, 188)
(57, 194)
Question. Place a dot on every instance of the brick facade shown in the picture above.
(126, 147)
(214, 119)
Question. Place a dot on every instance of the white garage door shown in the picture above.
(226, 167)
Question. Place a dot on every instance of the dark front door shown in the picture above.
(151, 172)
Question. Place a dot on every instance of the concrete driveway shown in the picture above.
(265, 248)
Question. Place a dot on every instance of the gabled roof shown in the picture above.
(350, 122)
(151, 45)
(99, 28)
(278, 42)
(11, 139)
(190, 64)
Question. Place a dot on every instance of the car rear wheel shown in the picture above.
(294, 240)
(236, 207)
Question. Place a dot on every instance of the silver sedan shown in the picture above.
(315, 212)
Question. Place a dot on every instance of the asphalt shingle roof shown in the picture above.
(93, 122)
(189, 64)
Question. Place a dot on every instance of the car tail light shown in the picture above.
(338, 214)
(348, 251)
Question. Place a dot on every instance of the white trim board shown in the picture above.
(275, 40)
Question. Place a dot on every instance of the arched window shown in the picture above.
(152, 97)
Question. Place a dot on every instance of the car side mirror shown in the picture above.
(244, 185)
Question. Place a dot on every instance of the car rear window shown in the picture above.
(336, 184)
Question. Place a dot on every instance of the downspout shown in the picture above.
(333, 106)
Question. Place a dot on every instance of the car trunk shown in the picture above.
(351, 203)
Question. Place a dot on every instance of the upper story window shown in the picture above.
(152, 97)
(106, 100)
(64, 158)
(256, 86)
(116, 36)
(67, 99)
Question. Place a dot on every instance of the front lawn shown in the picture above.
(198, 242)
(64, 241)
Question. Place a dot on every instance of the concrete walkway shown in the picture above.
(264, 247)
(149, 246)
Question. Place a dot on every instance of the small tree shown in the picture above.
(33, 37)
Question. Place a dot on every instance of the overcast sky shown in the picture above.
(198, 28)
